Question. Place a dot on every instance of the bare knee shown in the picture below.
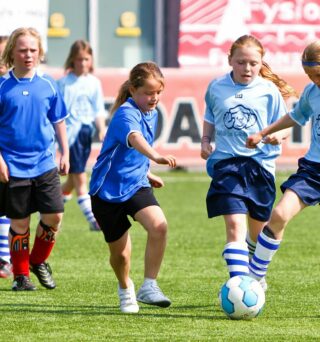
(121, 257)
(52, 220)
(279, 218)
(159, 230)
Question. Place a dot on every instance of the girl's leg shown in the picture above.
(154, 222)
(80, 185)
(5, 263)
(120, 255)
(254, 229)
(67, 188)
(44, 242)
(270, 238)
(236, 251)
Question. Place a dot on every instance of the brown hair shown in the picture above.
(12, 41)
(76, 47)
(247, 40)
(137, 77)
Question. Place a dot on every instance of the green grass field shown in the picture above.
(84, 306)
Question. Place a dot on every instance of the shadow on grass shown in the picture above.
(94, 310)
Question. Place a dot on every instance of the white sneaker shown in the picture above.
(128, 302)
(151, 294)
(263, 284)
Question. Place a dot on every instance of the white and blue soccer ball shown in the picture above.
(242, 297)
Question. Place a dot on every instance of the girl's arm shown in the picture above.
(4, 171)
(206, 148)
(138, 142)
(282, 123)
(100, 122)
(61, 132)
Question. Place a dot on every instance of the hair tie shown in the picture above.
(310, 64)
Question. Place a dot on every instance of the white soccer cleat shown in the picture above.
(128, 301)
(151, 294)
(263, 284)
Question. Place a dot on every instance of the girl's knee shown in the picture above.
(159, 229)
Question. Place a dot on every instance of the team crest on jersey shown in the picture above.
(317, 125)
(239, 117)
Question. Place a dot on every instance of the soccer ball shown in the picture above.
(242, 297)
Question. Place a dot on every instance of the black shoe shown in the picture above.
(22, 283)
(43, 272)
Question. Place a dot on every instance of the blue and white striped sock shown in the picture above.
(265, 250)
(84, 202)
(4, 243)
(251, 245)
(236, 255)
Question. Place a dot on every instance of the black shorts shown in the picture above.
(112, 217)
(80, 150)
(21, 197)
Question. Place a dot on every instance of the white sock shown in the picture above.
(265, 250)
(85, 206)
(251, 245)
(149, 281)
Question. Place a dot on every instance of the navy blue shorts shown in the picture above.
(241, 186)
(305, 182)
(80, 150)
(113, 217)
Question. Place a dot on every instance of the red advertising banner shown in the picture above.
(284, 27)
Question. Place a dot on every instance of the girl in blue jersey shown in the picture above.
(302, 189)
(242, 187)
(31, 110)
(121, 185)
(5, 263)
(83, 96)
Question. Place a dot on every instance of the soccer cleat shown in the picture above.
(151, 294)
(263, 284)
(43, 272)
(94, 226)
(22, 283)
(128, 302)
(67, 197)
(5, 269)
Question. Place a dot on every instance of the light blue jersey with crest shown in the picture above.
(84, 100)
(238, 111)
(308, 108)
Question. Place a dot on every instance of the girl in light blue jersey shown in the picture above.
(32, 114)
(121, 185)
(302, 189)
(83, 96)
(242, 187)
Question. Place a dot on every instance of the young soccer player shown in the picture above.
(83, 96)
(5, 263)
(121, 185)
(31, 109)
(302, 189)
(242, 187)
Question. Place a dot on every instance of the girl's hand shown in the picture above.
(155, 181)
(206, 150)
(254, 140)
(64, 165)
(166, 160)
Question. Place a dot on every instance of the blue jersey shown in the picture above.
(308, 107)
(237, 111)
(28, 108)
(84, 100)
(120, 170)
